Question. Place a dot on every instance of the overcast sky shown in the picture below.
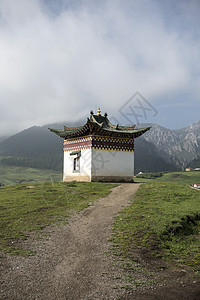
(59, 59)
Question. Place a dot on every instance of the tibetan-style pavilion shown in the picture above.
(99, 151)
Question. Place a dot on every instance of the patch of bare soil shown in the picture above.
(73, 262)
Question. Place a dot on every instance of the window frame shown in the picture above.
(76, 164)
(76, 161)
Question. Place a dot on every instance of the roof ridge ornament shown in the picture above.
(99, 112)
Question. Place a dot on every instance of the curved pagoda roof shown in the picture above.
(99, 125)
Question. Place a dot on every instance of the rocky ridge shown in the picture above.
(181, 145)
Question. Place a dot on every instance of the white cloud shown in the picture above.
(58, 66)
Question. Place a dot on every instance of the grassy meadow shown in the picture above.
(13, 175)
(25, 208)
(187, 178)
(163, 219)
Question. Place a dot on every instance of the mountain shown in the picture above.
(37, 147)
(159, 149)
(181, 145)
(149, 159)
(195, 163)
(33, 140)
(34, 147)
(3, 138)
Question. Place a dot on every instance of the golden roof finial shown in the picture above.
(98, 112)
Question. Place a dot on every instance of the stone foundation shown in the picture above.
(112, 178)
(77, 178)
(99, 179)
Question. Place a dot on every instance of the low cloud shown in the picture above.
(59, 60)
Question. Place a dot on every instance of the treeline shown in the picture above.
(40, 161)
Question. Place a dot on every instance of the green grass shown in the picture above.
(178, 177)
(143, 180)
(25, 208)
(163, 219)
(14, 175)
(181, 177)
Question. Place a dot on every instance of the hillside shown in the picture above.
(37, 147)
(32, 140)
(34, 147)
(182, 145)
(14, 174)
(195, 163)
(149, 159)
(3, 138)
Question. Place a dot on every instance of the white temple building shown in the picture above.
(99, 151)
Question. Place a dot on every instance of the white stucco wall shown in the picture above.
(85, 166)
(97, 164)
(112, 163)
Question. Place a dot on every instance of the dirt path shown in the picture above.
(72, 263)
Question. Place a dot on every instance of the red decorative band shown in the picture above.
(78, 144)
(100, 143)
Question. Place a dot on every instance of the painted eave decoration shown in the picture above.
(99, 125)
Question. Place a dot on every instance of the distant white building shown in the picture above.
(188, 169)
(197, 186)
(99, 150)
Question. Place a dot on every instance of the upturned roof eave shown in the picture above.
(91, 127)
